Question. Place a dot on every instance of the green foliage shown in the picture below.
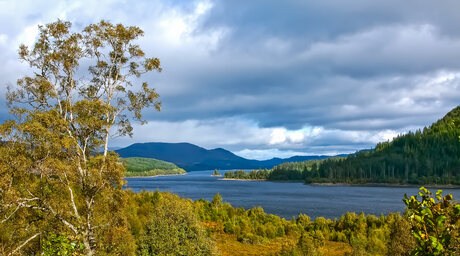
(171, 227)
(401, 241)
(156, 172)
(298, 170)
(217, 200)
(434, 223)
(295, 171)
(61, 245)
(367, 235)
(251, 226)
(216, 173)
(307, 245)
(251, 175)
(141, 164)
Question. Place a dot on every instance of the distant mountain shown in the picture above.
(193, 158)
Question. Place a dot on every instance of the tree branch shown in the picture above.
(7, 218)
(23, 244)
(72, 200)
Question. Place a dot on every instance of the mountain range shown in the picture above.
(194, 158)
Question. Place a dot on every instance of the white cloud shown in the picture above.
(264, 154)
(386, 135)
(247, 139)
(278, 135)
(3, 39)
(222, 132)
(27, 36)
(177, 27)
(296, 136)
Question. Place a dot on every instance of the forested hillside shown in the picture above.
(285, 171)
(431, 156)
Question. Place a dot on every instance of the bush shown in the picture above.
(174, 228)
(249, 238)
(434, 223)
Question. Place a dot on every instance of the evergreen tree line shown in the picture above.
(261, 174)
(430, 156)
(285, 171)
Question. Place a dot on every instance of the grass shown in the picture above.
(229, 246)
(139, 166)
(335, 248)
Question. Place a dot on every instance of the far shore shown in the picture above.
(244, 179)
(385, 185)
(329, 184)
(326, 184)
(151, 176)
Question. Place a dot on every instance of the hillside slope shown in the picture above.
(139, 166)
(193, 158)
(430, 156)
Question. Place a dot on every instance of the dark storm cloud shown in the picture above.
(278, 76)
(335, 54)
(311, 20)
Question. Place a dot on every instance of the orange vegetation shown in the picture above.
(335, 248)
(229, 246)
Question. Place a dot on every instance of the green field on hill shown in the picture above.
(139, 166)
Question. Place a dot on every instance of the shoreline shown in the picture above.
(328, 184)
(155, 175)
(385, 185)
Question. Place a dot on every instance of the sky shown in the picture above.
(273, 78)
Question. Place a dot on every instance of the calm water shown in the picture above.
(282, 198)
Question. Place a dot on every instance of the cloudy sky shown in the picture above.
(274, 78)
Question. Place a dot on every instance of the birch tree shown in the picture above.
(55, 181)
